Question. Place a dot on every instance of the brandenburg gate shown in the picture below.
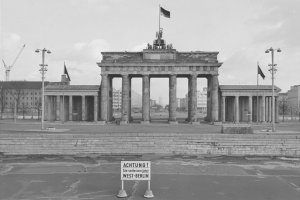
(159, 60)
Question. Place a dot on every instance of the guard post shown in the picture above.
(135, 170)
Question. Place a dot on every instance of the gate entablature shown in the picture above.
(159, 61)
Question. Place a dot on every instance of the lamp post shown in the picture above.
(273, 70)
(43, 71)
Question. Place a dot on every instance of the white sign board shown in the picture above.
(135, 170)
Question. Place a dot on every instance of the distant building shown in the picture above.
(117, 99)
(202, 100)
(152, 102)
(293, 99)
(160, 101)
(182, 104)
(25, 96)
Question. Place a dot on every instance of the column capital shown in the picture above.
(194, 75)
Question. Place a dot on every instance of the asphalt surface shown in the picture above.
(155, 127)
(173, 177)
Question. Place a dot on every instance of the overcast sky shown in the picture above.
(76, 31)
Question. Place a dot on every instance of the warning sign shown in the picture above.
(135, 170)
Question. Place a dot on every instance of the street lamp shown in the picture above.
(273, 70)
(43, 71)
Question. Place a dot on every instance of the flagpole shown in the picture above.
(159, 19)
(257, 94)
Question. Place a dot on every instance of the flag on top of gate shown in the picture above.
(66, 71)
(259, 71)
(165, 12)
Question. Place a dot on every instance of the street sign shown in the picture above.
(135, 170)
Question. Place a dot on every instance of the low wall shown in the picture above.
(141, 143)
(237, 129)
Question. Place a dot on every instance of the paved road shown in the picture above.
(157, 127)
(173, 177)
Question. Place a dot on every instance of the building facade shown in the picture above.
(22, 96)
(247, 103)
(64, 102)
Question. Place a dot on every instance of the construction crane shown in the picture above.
(9, 67)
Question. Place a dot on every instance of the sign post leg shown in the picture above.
(122, 192)
(148, 193)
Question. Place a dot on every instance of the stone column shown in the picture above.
(83, 110)
(125, 99)
(62, 108)
(95, 108)
(223, 109)
(46, 108)
(104, 97)
(172, 99)
(237, 110)
(193, 98)
(214, 99)
(57, 107)
(208, 106)
(276, 110)
(263, 113)
(110, 99)
(257, 109)
(129, 101)
(70, 108)
(250, 109)
(50, 108)
(267, 109)
(270, 109)
(146, 99)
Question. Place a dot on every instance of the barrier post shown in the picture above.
(122, 193)
(148, 193)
